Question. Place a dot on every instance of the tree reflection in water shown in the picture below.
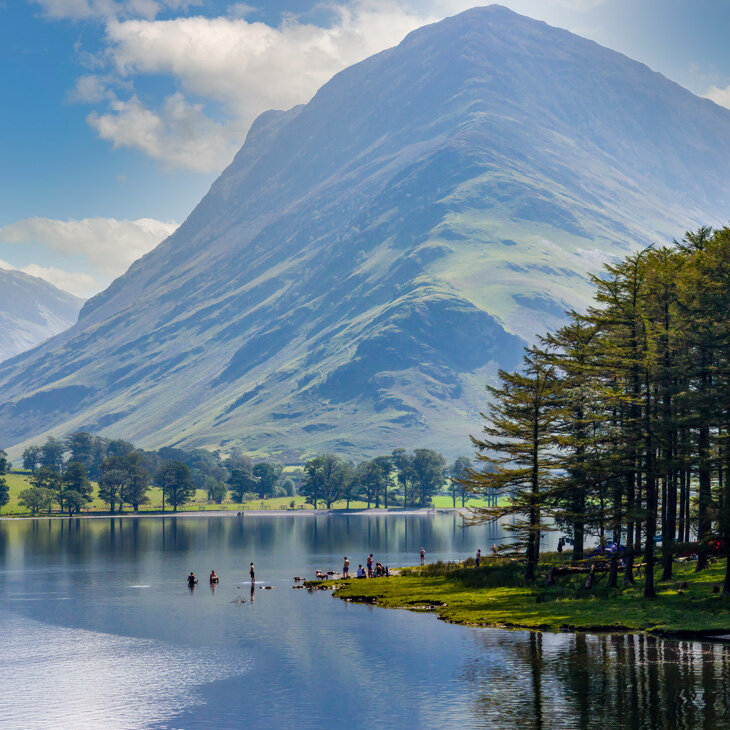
(532, 680)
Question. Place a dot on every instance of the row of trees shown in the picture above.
(62, 472)
(618, 424)
(412, 478)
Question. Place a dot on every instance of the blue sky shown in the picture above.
(118, 114)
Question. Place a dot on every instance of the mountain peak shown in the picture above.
(368, 260)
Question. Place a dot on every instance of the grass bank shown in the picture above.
(497, 596)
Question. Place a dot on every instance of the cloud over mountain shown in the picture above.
(102, 247)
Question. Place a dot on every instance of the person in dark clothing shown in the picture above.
(253, 574)
(192, 580)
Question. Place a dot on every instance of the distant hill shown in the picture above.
(31, 311)
(368, 260)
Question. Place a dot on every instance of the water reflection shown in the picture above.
(529, 680)
(72, 589)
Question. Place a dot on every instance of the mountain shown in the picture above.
(368, 260)
(31, 311)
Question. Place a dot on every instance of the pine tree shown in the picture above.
(517, 447)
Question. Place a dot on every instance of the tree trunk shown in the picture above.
(533, 539)
(613, 573)
(650, 487)
(578, 540)
(631, 510)
(669, 529)
(704, 519)
(704, 522)
(725, 514)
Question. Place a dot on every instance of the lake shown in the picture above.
(100, 630)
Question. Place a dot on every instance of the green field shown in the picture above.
(17, 481)
(496, 595)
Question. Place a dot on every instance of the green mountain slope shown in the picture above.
(368, 260)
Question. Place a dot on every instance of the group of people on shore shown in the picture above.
(372, 569)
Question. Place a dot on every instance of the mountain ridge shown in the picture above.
(31, 311)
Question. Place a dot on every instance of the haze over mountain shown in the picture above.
(368, 260)
(31, 311)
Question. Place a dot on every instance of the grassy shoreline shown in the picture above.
(496, 596)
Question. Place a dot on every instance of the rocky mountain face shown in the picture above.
(31, 311)
(367, 261)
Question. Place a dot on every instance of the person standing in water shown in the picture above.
(422, 553)
(346, 568)
(252, 573)
(192, 580)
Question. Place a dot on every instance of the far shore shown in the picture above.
(243, 514)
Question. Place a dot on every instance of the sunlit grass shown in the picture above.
(497, 595)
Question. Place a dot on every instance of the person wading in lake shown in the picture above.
(346, 568)
(192, 580)
(422, 553)
(213, 578)
(253, 574)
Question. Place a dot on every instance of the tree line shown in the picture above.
(408, 479)
(63, 472)
(618, 424)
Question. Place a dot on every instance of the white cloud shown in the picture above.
(246, 67)
(719, 96)
(240, 10)
(179, 135)
(91, 89)
(107, 246)
(250, 66)
(78, 283)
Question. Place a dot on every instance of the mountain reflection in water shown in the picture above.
(100, 630)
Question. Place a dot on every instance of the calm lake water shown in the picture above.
(99, 629)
